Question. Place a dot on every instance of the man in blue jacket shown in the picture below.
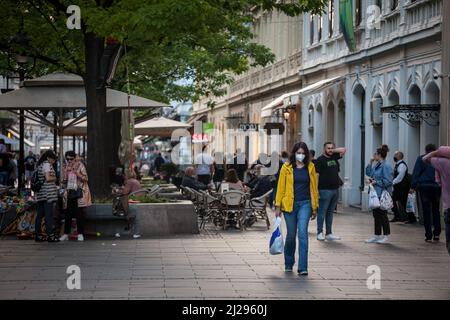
(429, 192)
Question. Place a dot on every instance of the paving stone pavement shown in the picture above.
(230, 264)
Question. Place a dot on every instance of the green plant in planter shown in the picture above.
(170, 169)
(147, 199)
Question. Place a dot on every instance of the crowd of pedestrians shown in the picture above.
(307, 188)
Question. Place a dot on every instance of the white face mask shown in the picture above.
(299, 157)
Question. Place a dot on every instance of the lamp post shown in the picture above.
(21, 61)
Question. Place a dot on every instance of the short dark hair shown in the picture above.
(70, 153)
(297, 146)
(47, 154)
(313, 152)
(327, 143)
(430, 148)
(284, 154)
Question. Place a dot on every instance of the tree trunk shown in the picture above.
(103, 128)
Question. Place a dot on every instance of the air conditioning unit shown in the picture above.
(376, 116)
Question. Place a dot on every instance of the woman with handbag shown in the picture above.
(380, 178)
(298, 199)
(77, 195)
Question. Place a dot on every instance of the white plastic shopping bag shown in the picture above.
(276, 244)
(374, 202)
(386, 202)
(411, 203)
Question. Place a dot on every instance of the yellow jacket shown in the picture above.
(285, 188)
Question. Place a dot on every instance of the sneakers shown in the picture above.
(136, 236)
(332, 237)
(435, 238)
(287, 269)
(64, 237)
(374, 239)
(80, 237)
(320, 237)
(383, 239)
(117, 235)
(303, 273)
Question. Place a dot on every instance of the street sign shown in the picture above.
(248, 126)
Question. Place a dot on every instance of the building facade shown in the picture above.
(253, 90)
(396, 64)
(387, 89)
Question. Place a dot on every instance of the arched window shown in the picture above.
(358, 13)
(310, 117)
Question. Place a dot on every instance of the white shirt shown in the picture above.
(203, 162)
(401, 173)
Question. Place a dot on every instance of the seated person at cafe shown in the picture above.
(263, 183)
(233, 181)
(190, 181)
(131, 185)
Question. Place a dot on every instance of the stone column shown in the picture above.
(445, 94)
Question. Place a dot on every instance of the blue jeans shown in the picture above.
(327, 203)
(297, 222)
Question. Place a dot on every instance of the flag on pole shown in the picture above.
(346, 22)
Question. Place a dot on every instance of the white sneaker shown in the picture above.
(374, 239)
(117, 235)
(320, 237)
(136, 236)
(332, 237)
(80, 237)
(383, 239)
(64, 237)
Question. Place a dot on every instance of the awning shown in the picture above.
(160, 126)
(197, 117)
(17, 135)
(293, 97)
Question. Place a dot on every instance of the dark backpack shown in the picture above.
(36, 183)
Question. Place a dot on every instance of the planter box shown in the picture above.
(147, 219)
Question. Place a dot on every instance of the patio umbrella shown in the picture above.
(160, 127)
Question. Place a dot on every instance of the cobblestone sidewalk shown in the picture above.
(229, 265)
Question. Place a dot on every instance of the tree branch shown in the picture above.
(75, 62)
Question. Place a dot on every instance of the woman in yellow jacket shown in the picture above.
(298, 198)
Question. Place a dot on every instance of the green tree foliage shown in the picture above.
(205, 41)
(167, 40)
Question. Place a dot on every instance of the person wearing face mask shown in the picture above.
(298, 199)
(401, 189)
(380, 177)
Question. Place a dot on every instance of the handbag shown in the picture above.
(276, 243)
(386, 202)
(374, 202)
(75, 193)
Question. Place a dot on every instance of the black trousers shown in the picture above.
(45, 210)
(381, 222)
(400, 197)
(430, 198)
(73, 211)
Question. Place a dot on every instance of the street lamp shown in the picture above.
(286, 114)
